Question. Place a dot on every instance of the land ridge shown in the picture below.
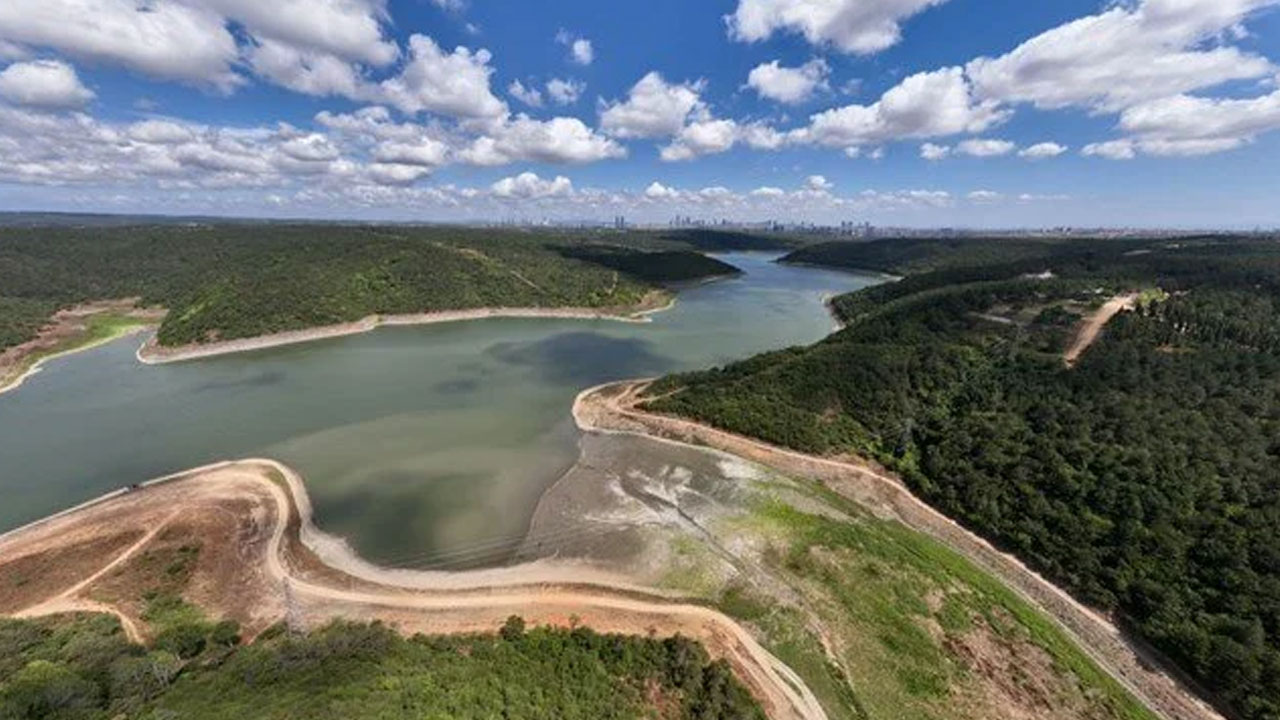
(612, 408)
(299, 574)
(152, 353)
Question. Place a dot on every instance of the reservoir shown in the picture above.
(415, 442)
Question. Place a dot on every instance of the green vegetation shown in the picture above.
(222, 282)
(918, 631)
(913, 256)
(1143, 479)
(84, 669)
(99, 328)
(658, 266)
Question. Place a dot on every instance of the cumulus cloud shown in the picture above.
(983, 147)
(565, 92)
(558, 140)
(852, 26)
(1195, 123)
(818, 183)
(426, 152)
(1130, 53)
(701, 138)
(1043, 150)
(653, 108)
(581, 51)
(928, 104)
(528, 95)
(47, 84)
(454, 84)
(1112, 150)
(528, 186)
(930, 151)
(789, 85)
(298, 41)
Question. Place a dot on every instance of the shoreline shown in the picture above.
(550, 591)
(35, 368)
(151, 353)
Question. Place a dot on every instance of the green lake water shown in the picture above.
(413, 440)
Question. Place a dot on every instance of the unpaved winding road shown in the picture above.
(1092, 327)
(311, 578)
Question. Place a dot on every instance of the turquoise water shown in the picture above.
(412, 439)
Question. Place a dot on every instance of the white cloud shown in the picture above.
(1185, 118)
(423, 152)
(768, 192)
(175, 41)
(653, 108)
(528, 186)
(982, 147)
(558, 140)
(528, 95)
(396, 173)
(581, 50)
(310, 46)
(47, 84)
(658, 191)
(161, 132)
(583, 53)
(930, 151)
(348, 29)
(852, 26)
(306, 71)
(701, 138)
(565, 92)
(1112, 150)
(310, 147)
(818, 183)
(708, 136)
(927, 104)
(789, 85)
(1043, 150)
(984, 196)
(1130, 53)
(454, 84)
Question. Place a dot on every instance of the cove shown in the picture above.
(416, 442)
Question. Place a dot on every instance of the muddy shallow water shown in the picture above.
(419, 444)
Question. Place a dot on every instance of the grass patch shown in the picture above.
(891, 598)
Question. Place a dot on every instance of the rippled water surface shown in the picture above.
(413, 440)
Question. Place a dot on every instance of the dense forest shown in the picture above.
(1146, 478)
(240, 280)
(84, 669)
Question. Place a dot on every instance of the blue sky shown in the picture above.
(994, 113)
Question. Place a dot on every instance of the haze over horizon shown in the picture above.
(917, 113)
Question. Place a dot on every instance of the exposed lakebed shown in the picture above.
(415, 441)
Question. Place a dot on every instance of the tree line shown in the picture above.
(1144, 479)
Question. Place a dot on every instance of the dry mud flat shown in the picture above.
(261, 560)
(613, 408)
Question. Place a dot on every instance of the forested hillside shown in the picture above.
(1145, 479)
(233, 281)
(85, 670)
(916, 255)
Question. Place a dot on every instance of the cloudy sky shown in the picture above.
(906, 112)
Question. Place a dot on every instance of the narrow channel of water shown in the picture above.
(413, 440)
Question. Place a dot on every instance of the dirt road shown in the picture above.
(263, 561)
(612, 408)
(1092, 326)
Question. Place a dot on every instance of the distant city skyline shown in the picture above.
(903, 113)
